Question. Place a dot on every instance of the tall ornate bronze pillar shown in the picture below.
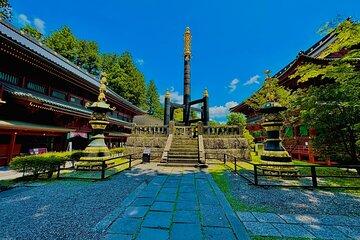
(187, 56)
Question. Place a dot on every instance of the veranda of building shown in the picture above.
(43, 98)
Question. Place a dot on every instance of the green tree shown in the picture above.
(5, 10)
(152, 101)
(134, 89)
(88, 56)
(235, 119)
(65, 43)
(239, 119)
(32, 32)
(332, 107)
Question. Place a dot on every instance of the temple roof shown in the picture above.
(53, 104)
(11, 33)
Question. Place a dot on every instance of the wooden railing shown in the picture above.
(150, 130)
(222, 130)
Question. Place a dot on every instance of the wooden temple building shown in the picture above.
(43, 97)
(296, 138)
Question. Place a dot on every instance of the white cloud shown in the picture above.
(252, 80)
(233, 84)
(221, 111)
(174, 96)
(140, 61)
(40, 25)
(23, 20)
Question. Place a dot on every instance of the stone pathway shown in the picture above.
(183, 204)
(301, 225)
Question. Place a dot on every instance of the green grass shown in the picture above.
(218, 174)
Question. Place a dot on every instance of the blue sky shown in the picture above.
(233, 42)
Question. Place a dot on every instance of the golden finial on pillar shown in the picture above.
(187, 43)
(167, 95)
(206, 94)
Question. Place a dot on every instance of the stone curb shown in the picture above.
(236, 224)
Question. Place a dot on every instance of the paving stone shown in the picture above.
(327, 232)
(188, 206)
(166, 197)
(268, 217)
(353, 232)
(158, 220)
(246, 216)
(187, 197)
(143, 202)
(292, 230)
(208, 199)
(262, 229)
(118, 237)
(125, 226)
(136, 212)
(171, 185)
(215, 233)
(214, 218)
(300, 218)
(163, 206)
(181, 231)
(152, 233)
(169, 190)
(186, 189)
(186, 217)
(147, 194)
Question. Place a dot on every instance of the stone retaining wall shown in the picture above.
(238, 147)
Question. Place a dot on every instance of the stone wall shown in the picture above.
(135, 144)
(235, 146)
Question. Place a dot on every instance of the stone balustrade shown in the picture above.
(223, 130)
(150, 130)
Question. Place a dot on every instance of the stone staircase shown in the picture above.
(183, 152)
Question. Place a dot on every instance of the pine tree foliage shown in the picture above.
(5, 10)
(153, 104)
(32, 32)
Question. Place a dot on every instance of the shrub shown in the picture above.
(41, 163)
(117, 150)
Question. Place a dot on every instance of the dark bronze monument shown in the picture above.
(186, 106)
(274, 151)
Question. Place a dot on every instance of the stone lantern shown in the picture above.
(274, 152)
(97, 149)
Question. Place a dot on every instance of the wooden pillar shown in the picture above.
(11, 146)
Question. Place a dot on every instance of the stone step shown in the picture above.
(182, 160)
(182, 153)
(178, 156)
(183, 146)
(179, 164)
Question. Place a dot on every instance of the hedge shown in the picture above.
(117, 150)
(43, 163)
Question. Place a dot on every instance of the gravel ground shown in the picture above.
(65, 209)
(294, 200)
